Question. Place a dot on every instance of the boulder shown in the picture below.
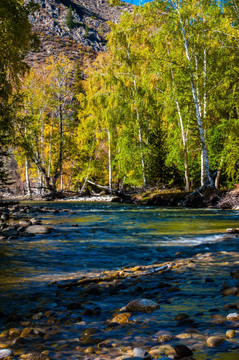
(38, 229)
(141, 305)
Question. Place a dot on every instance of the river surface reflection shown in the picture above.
(103, 236)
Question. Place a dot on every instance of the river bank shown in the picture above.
(221, 199)
(188, 305)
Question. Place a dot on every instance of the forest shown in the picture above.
(159, 106)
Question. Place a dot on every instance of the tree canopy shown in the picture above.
(159, 106)
(17, 39)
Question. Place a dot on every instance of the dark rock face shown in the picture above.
(87, 35)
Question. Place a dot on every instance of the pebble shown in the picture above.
(230, 291)
(38, 356)
(14, 332)
(4, 333)
(181, 317)
(162, 350)
(138, 352)
(90, 337)
(122, 318)
(182, 351)
(5, 353)
(35, 221)
(37, 316)
(141, 305)
(214, 341)
(25, 223)
(164, 338)
(233, 316)
(230, 334)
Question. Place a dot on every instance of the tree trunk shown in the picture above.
(185, 152)
(140, 141)
(219, 172)
(141, 151)
(203, 177)
(184, 137)
(49, 159)
(109, 160)
(28, 185)
(197, 108)
(61, 146)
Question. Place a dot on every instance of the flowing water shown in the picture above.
(102, 236)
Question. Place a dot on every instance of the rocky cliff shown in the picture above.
(90, 19)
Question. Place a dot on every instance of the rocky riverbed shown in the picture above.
(186, 308)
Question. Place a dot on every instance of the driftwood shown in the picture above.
(204, 186)
(113, 191)
(108, 276)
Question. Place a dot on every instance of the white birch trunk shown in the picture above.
(109, 161)
(184, 138)
(50, 150)
(185, 152)
(41, 152)
(197, 109)
(140, 141)
(28, 185)
(202, 169)
(141, 150)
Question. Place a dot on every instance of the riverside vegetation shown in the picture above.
(159, 106)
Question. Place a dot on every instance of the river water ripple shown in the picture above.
(96, 237)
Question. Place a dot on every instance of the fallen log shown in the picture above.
(205, 185)
(111, 191)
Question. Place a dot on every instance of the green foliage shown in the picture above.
(166, 89)
(86, 30)
(17, 39)
(70, 19)
(115, 3)
(161, 75)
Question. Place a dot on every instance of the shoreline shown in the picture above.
(216, 199)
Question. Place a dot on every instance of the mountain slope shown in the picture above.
(90, 27)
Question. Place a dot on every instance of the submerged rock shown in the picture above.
(38, 356)
(14, 332)
(122, 318)
(90, 337)
(141, 305)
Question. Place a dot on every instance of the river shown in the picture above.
(95, 237)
